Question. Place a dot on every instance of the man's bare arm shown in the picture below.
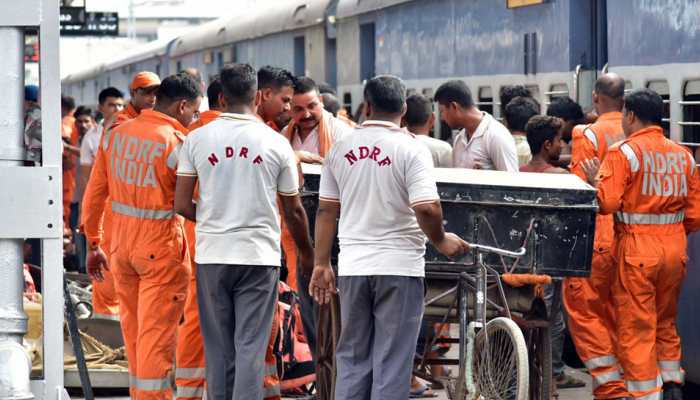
(184, 192)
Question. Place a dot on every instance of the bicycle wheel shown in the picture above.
(500, 362)
(539, 348)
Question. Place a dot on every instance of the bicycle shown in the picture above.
(493, 360)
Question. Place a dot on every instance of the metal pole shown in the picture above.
(15, 365)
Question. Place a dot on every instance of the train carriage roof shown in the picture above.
(350, 8)
(156, 48)
(211, 34)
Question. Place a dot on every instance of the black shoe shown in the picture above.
(673, 391)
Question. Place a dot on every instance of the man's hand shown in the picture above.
(590, 168)
(306, 260)
(322, 285)
(96, 262)
(309, 158)
(452, 245)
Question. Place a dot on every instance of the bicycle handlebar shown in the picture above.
(495, 250)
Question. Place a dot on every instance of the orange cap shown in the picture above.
(144, 79)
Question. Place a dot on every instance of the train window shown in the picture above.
(628, 87)
(690, 125)
(347, 102)
(411, 91)
(208, 57)
(219, 60)
(299, 56)
(367, 51)
(158, 69)
(661, 87)
(428, 92)
(178, 67)
(234, 54)
(535, 90)
(556, 90)
(485, 102)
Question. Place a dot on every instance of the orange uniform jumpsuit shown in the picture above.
(149, 259)
(588, 301)
(190, 370)
(651, 185)
(69, 132)
(105, 304)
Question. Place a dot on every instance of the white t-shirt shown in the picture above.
(440, 150)
(377, 174)
(336, 128)
(88, 148)
(241, 165)
(490, 147)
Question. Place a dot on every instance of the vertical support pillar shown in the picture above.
(15, 366)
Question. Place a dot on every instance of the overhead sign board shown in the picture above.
(522, 3)
(89, 23)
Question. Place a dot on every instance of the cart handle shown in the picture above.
(495, 250)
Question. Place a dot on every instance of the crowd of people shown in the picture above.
(197, 295)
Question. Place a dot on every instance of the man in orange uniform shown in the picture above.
(587, 300)
(69, 133)
(149, 257)
(651, 185)
(143, 90)
(276, 87)
(189, 371)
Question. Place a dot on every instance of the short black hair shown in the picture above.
(304, 84)
(646, 105)
(565, 108)
(109, 92)
(67, 103)
(331, 103)
(324, 87)
(519, 110)
(274, 78)
(213, 92)
(541, 128)
(454, 91)
(418, 110)
(82, 110)
(239, 83)
(386, 94)
(507, 93)
(181, 86)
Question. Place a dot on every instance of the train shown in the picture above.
(554, 47)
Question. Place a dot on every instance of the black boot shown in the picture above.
(673, 391)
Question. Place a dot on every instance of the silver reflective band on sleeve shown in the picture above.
(649, 219)
(631, 157)
(670, 365)
(189, 373)
(671, 371)
(144, 213)
(591, 136)
(150, 384)
(184, 392)
(111, 317)
(602, 379)
(644, 386)
(599, 362)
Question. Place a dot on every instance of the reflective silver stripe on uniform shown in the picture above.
(271, 391)
(651, 396)
(631, 157)
(602, 379)
(591, 136)
(149, 384)
(188, 391)
(111, 317)
(174, 156)
(644, 386)
(599, 362)
(144, 213)
(649, 219)
(189, 373)
(671, 371)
